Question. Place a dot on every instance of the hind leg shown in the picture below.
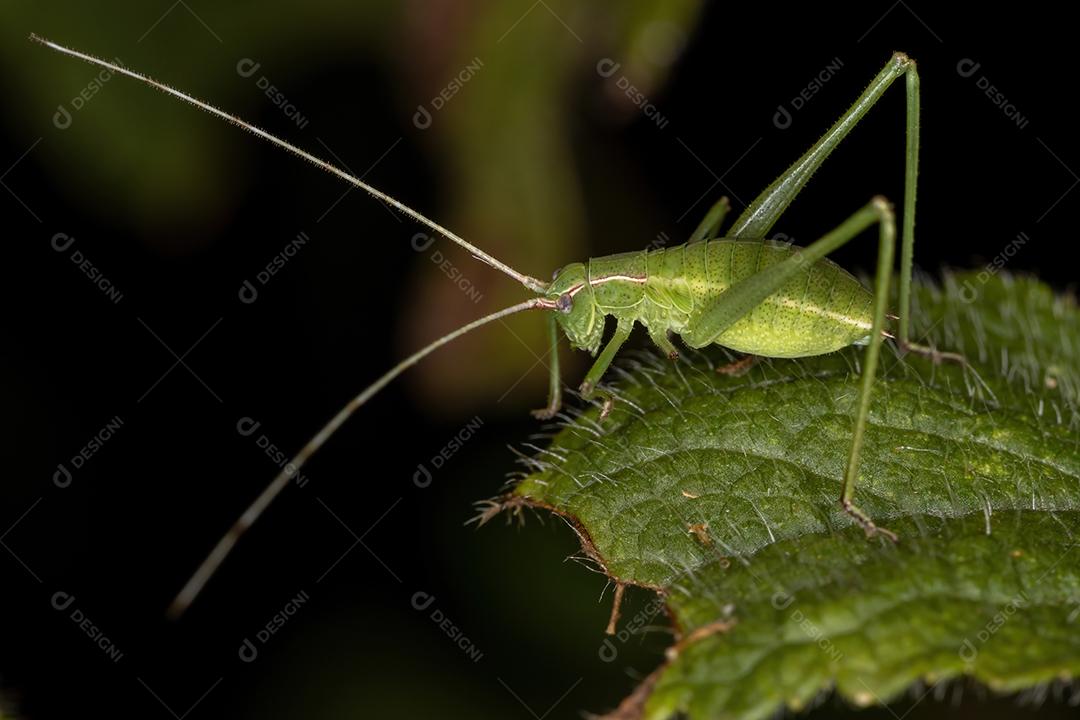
(742, 297)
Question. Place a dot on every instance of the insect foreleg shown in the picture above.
(709, 227)
(622, 332)
(555, 386)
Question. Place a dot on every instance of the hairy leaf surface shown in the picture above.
(722, 493)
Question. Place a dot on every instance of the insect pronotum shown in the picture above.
(738, 290)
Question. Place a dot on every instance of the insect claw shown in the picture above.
(873, 530)
(936, 356)
(546, 413)
(866, 523)
(607, 407)
(888, 533)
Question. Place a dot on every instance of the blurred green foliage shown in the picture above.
(501, 142)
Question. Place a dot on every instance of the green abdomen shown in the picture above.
(821, 309)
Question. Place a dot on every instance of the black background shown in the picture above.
(123, 536)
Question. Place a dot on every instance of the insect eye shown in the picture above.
(565, 303)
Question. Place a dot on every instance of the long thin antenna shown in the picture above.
(529, 282)
(210, 565)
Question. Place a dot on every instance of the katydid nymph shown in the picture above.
(733, 288)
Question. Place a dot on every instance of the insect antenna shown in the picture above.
(210, 565)
(220, 551)
(529, 282)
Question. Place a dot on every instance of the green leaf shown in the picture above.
(721, 493)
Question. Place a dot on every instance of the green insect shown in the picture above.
(737, 290)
